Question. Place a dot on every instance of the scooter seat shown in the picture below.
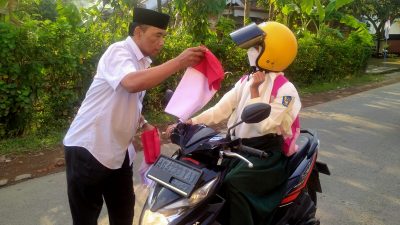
(303, 143)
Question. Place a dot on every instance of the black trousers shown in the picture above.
(89, 182)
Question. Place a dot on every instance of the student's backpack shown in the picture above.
(289, 145)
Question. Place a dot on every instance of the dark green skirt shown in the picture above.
(252, 193)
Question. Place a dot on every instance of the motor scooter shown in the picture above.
(186, 186)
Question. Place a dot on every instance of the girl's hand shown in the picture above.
(258, 79)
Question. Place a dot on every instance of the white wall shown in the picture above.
(152, 4)
(394, 28)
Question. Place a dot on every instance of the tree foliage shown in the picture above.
(333, 44)
(193, 16)
(377, 13)
(49, 58)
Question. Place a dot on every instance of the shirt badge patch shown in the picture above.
(286, 100)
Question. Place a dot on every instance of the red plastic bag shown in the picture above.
(151, 145)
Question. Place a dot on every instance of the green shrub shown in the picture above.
(46, 69)
(329, 57)
(48, 62)
(20, 77)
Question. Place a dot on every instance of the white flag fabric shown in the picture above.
(196, 88)
(387, 29)
(190, 96)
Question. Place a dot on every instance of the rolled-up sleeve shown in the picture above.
(115, 65)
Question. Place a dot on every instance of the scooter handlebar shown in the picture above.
(253, 151)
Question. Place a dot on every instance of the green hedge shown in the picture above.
(45, 70)
(327, 58)
(47, 66)
(20, 71)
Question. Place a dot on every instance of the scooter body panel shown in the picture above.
(204, 152)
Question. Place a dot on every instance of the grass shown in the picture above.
(40, 142)
(31, 143)
(159, 118)
(348, 82)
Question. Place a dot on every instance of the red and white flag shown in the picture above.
(196, 88)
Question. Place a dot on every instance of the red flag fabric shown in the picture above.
(151, 145)
(211, 67)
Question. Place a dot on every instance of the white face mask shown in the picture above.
(252, 54)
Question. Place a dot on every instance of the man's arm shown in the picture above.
(144, 79)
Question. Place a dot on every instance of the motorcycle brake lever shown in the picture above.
(232, 154)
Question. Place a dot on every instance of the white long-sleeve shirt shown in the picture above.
(109, 115)
(233, 102)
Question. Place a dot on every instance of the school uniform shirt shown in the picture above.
(284, 108)
(109, 115)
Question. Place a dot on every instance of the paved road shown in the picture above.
(359, 140)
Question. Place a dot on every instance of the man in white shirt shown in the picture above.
(98, 144)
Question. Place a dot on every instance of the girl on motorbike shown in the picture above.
(252, 193)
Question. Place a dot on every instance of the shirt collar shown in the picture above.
(136, 51)
(273, 75)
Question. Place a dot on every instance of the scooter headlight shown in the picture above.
(171, 212)
(154, 218)
(196, 196)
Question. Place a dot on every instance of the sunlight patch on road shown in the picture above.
(392, 170)
(345, 118)
(392, 199)
(392, 93)
(358, 216)
(353, 183)
(351, 158)
(51, 215)
(376, 106)
(359, 131)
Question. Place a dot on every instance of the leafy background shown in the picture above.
(49, 51)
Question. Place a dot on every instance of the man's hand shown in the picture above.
(191, 56)
(171, 127)
(169, 130)
(147, 126)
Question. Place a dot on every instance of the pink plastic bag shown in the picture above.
(144, 168)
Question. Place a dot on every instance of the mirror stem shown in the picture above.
(228, 136)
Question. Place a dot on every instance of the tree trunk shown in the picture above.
(271, 11)
(159, 5)
(135, 3)
(379, 34)
(246, 14)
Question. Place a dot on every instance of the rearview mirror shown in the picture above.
(256, 112)
(167, 96)
(253, 113)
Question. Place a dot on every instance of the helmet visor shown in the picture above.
(248, 36)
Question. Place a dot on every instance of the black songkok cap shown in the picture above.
(150, 17)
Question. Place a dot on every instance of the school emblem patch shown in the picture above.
(286, 100)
